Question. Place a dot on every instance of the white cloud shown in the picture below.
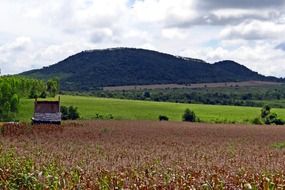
(254, 30)
(35, 33)
(164, 11)
(13, 57)
(173, 33)
(261, 57)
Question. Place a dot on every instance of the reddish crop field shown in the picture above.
(192, 86)
(142, 155)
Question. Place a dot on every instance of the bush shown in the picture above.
(270, 118)
(265, 111)
(64, 113)
(146, 94)
(257, 121)
(163, 118)
(69, 113)
(189, 116)
(73, 113)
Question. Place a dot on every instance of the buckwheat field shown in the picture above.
(141, 155)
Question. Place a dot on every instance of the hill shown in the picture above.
(89, 70)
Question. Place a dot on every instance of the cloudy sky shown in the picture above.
(36, 33)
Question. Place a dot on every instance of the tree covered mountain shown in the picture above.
(89, 70)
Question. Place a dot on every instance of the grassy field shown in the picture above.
(142, 155)
(145, 110)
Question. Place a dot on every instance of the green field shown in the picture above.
(145, 110)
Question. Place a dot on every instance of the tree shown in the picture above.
(14, 87)
(189, 116)
(33, 93)
(6, 109)
(43, 94)
(146, 94)
(265, 111)
(270, 118)
(14, 103)
(6, 92)
(52, 87)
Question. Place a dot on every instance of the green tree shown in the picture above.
(189, 116)
(53, 87)
(270, 118)
(43, 94)
(33, 93)
(6, 109)
(265, 111)
(146, 94)
(14, 103)
(6, 92)
(14, 87)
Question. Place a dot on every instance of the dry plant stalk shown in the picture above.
(142, 155)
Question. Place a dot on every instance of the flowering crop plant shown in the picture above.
(141, 155)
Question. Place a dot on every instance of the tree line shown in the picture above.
(12, 88)
(239, 96)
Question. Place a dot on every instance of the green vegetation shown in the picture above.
(189, 116)
(23, 173)
(12, 89)
(280, 145)
(163, 118)
(91, 107)
(272, 95)
(69, 113)
(270, 118)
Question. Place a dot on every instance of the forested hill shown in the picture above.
(127, 66)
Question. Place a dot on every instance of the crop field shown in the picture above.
(91, 108)
(192, 86)
(142, 155)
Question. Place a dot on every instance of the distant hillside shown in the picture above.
(89, 70)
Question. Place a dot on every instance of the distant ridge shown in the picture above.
(91, 69)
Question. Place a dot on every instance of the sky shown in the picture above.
(37, 33)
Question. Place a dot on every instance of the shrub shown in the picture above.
(163, 118)
(64, 113)
(257, 121)
(73, 113)
(110, 116)
(265, 111)
(270, 118)
(189, 116)
(69, 113)
(99, 116)
(146, 94)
